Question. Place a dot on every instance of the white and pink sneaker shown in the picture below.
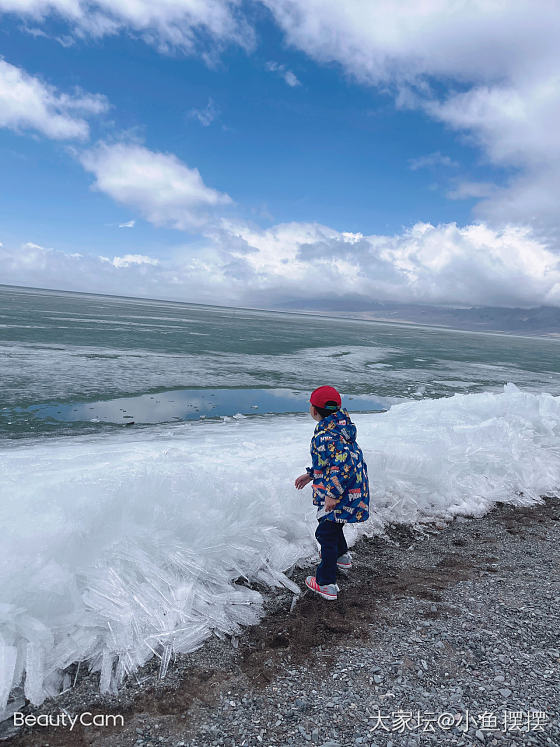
(327, 591)
(343, 562)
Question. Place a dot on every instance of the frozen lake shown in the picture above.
(78, 363)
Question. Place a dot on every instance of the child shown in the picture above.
(340, 486)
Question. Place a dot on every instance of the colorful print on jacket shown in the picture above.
(339, 470)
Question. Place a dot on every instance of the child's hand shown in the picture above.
(330, 503)
(302, 481)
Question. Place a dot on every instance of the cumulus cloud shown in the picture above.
(128, 224)
(384, 42)
(496, 63)
(243, 265)
(160, 186)
(167, 24)
(516, 125)
(289, 77)
(27, 103)
(425, 264)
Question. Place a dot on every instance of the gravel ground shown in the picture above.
(441, 636)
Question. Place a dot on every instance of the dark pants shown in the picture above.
(330, 535)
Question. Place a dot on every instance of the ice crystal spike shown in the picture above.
(165, 659)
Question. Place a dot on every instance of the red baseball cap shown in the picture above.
(325, 397)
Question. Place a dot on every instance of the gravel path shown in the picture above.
(447, 637)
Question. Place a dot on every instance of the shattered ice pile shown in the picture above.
(118, 548)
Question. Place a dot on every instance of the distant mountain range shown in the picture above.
(539, 320)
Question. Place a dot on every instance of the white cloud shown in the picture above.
(26, 103)
(242, 265)
(425, 264)
(162, 188)
(131, 259)
(128, 224)
(431, 160)
(532, 197)
(204, 276)
(207, 115)
(289, 77)
(498, 63)
(384, 42)
(167, 24)
(518, 126)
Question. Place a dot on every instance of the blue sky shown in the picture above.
(302, 132)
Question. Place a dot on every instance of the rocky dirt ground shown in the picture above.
(439, 637)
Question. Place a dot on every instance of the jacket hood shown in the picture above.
(339, 422)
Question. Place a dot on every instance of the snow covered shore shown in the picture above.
(119, 548)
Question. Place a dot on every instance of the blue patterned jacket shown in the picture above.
(339, 470)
